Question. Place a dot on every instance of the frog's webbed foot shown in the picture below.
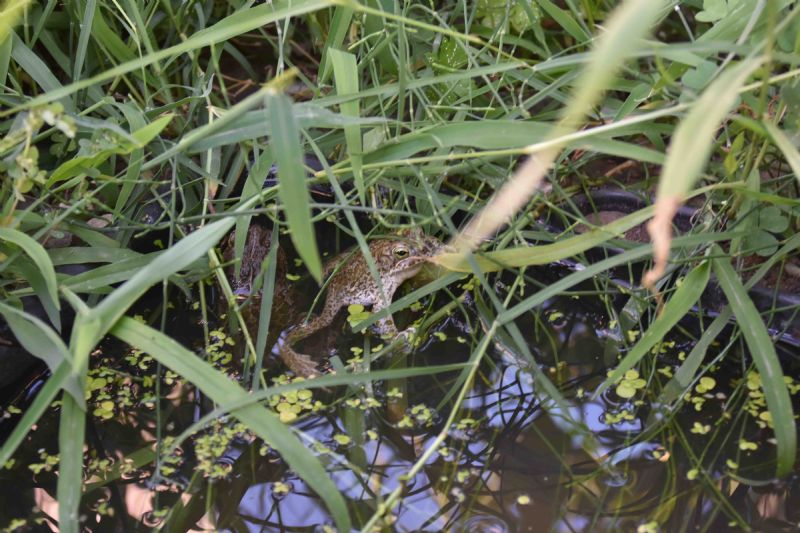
(300, 364)
(386, 328)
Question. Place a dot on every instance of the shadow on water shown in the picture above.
(506, 464)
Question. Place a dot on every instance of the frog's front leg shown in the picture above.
(386, 328)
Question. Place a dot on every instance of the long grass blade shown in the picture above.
(786, 146)
(39, 256)
(681, 302)
(222, 390)
(83, 39)
(292, 188)
(687, 156)
(345, 73)
(762, 350)
(70, 470)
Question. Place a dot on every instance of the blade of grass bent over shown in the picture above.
(222, 390)
(789, 150)
(688, 153)
(46, 395)
(39, 256)
(762, 350)
(627, 24)
(40, 340)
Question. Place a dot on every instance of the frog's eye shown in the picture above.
(401, 252)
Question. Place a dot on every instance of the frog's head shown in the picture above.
(404, 256)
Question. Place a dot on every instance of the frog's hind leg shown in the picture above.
(300, 363)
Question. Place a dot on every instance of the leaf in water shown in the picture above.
(292, 188)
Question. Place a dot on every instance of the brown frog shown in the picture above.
(351, 282)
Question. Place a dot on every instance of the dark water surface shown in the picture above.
(510, 461)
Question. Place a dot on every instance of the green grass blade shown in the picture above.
(345, 73)
(546, 253)
(39, 256)
(183, 253)
(786, 146)
(340, 23)
(38, 70)
(10, 14)
(762, 350)
(686, 372)
(40, 340)
(5, 57)
(505, 136)
(292, 188)
(111, 41)
(27, 270)
(71, 431)
(683, 377)
(566, 21)
(77, 255)
(681, 302)
(139, 138)
(265, 310)
(595, 269)
(222, 390)
(83, 39)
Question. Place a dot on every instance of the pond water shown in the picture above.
(510, 460)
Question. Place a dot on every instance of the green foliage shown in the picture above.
(121, 121)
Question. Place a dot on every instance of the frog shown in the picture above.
(349, 282)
